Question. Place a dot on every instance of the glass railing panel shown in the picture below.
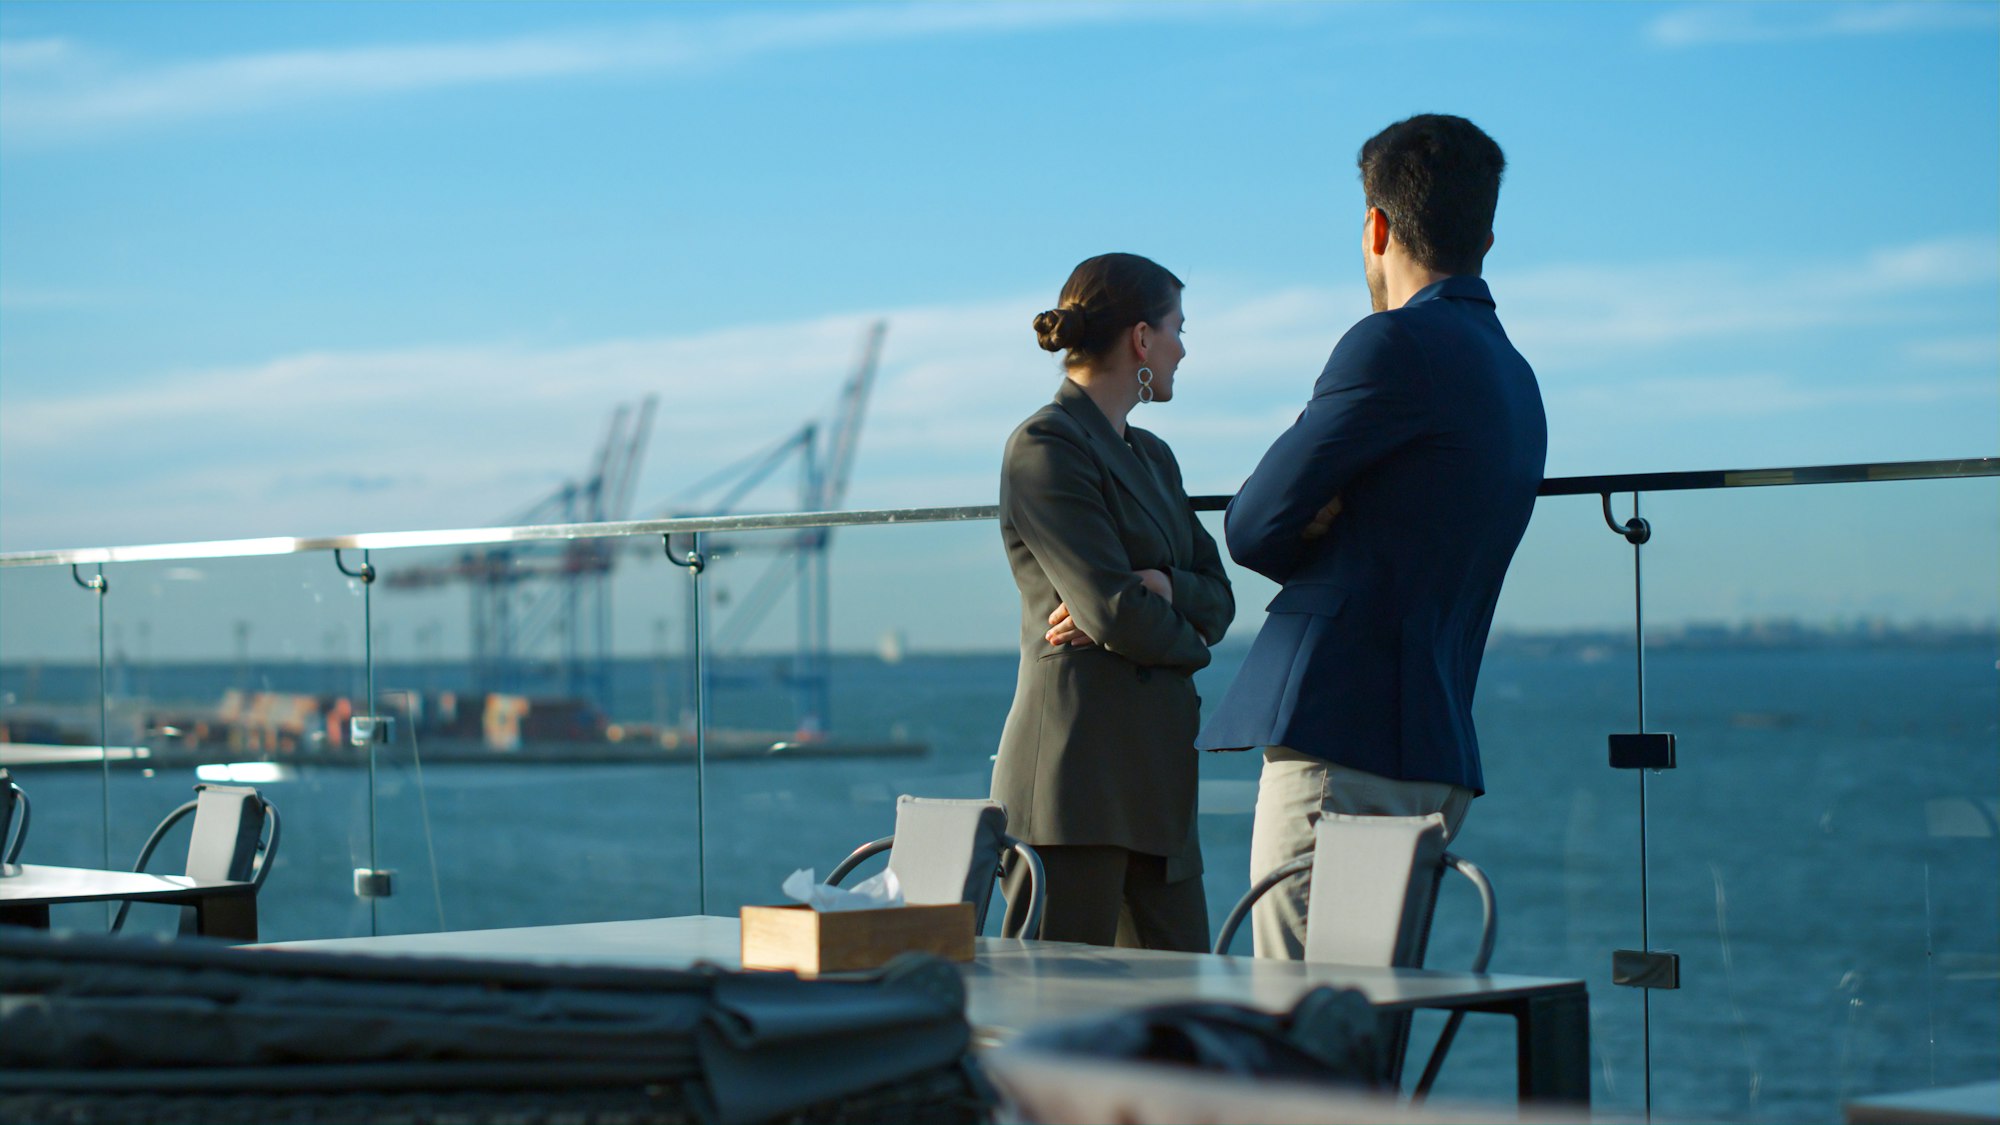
(49, 720)
(1824, 857)
(243, 672)
(841, 678)
(539, 769)
(1556, 830)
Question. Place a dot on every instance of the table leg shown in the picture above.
(34, 915)
(225, 916)
(1553, 1041)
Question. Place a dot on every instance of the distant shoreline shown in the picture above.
(1766, 635)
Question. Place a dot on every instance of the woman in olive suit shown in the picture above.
(1122, 593)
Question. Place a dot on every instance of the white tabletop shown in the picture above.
(33, 884)
(1012, 984)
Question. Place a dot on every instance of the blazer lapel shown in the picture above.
(1181, 538)
(1137, 477)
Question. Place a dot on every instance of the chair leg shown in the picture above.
(1395, 1031)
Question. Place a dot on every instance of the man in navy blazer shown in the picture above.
(1388, 512)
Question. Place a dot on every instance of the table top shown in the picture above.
(31, 884)
(1011, 984)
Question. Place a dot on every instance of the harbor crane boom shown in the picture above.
(522, 593)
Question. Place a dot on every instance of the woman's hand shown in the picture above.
(1322, 520)
(1063, 630)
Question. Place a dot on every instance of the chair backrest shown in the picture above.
(1374, 881)
(228, 832)
(13, 818)
(1374, 884)
(948, 850)
(228, 823)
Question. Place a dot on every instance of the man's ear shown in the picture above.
(1489, 244)
(1377, 232)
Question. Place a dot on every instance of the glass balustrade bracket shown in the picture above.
(374, 884)
(1648, 751)
(1646, 968)
(367, 730)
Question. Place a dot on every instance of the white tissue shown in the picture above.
(876, 892)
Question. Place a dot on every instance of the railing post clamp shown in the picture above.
(1635, 530)
(1650, 750)
(367, 572)
(693, 562)
(1646, 968)
(364, 731)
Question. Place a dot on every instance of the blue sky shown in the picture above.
(301, 269)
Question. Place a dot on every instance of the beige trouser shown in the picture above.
(1292, 793)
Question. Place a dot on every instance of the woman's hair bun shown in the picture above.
(1061, 328)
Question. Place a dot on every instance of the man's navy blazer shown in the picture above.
(1428, 426)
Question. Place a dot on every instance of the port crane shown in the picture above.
(825, 461)
(523, 594)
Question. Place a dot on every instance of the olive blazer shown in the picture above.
(1099, 744)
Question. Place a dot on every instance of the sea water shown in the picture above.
(1824, 860)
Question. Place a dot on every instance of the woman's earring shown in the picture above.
(1145, 384)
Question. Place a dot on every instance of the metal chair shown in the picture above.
(1371, 904)
(12, 798)
(227, 841)
(949, 851)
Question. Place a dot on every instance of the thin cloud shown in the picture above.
(24, 56)
(34, 300)
(58, 88)
(1749, 395)
(1982, 350)
(1576, 314)
(1719, 23)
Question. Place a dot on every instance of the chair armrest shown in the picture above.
(1489, 922)
(270, 848)
(1037, 886)
(146, 854)
(1489, 926)
(854, 858)
(1242, 909)
(20, 827)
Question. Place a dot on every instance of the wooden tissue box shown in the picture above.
(810, 942)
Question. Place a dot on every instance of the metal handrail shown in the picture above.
(684, 525)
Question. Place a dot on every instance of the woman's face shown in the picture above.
(1166, 352)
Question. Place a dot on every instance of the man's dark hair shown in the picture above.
(1437, 178)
